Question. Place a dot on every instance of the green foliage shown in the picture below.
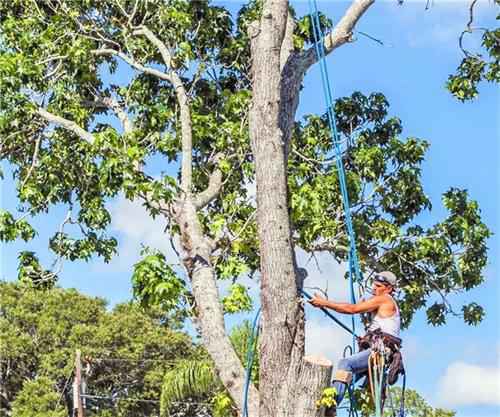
(477, 67)
(386, 195)
(196, 378)
(48, 60)
(473, 313)
(240, 337)
(189, 378)
(222, 405)
(31, 273)
(304, 34)
(155, 283)
(11, 229)
(327, 398)
(39, 398)
(237, 300)
(40, 332)
(415, 405)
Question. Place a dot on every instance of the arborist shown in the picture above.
(382, 333)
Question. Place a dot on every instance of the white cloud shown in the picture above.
(133, 226)
(325, 338)
(467, 384)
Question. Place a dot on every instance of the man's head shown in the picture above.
(384, 283)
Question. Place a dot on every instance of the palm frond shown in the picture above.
(187, 379)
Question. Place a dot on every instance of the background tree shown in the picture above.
(415, 405)
(197, 378)
(128, 353)
(196, 89)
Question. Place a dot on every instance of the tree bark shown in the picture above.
(315, 374)
(289, 384)
(278, 290)
(209, 314)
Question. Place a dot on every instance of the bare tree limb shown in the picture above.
(112, 104)
(67, 124)
(342, 33)
(183, 100)
(33, 162)
(120, 112)
(213, 189)
(132, 62)
(468, 28)
(329, 247)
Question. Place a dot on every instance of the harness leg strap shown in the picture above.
(343, 376)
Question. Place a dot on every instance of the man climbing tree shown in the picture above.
(384, 328)
(176, 105)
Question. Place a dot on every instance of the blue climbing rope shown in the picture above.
(335, 319)
(354, 268)
(250, 356)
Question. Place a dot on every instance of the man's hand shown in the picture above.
(318, 301)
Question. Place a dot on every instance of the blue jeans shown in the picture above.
(357, 364)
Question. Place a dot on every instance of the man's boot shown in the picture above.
(331, 411)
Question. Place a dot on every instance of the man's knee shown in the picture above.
(343, 376)
(344, 365)
(344, 372)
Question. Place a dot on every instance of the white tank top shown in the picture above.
(390, 325)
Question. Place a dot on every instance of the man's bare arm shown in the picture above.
(347, 308)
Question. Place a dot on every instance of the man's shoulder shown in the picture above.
(385, 299)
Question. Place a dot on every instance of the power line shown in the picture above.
(70, 374)
(100, 397)
(139, 400)
(134, 360)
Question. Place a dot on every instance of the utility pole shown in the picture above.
(77, 386)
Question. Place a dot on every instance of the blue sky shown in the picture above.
(455, 366)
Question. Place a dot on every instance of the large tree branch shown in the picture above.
(183, 100)
(82, 133)
(209, 314)
(342, 32)
(67, 124)
(134, 64)
(213, 189)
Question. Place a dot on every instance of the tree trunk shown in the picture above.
(209, 314)
(283, 372)
(278, 290)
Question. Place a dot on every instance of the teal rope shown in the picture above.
(331, 316)
(250, 356)
(354, 268)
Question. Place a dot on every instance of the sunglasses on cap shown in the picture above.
(381, 279)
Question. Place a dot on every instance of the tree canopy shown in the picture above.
(184, 107)
(54, 88)
(125, 353)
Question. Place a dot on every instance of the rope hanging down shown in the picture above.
(250, 356)
(354, 269)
